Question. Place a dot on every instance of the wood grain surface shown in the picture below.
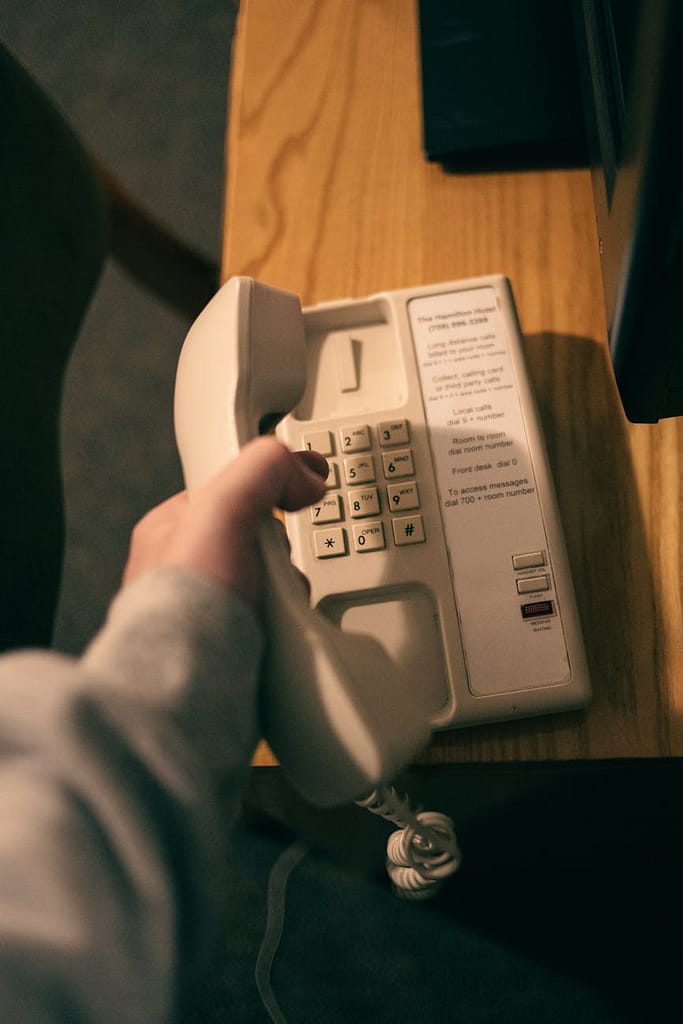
(328, 194)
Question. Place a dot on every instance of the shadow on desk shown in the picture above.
(619, 605)
(601, 514)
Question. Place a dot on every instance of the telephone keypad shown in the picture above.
(362, 500)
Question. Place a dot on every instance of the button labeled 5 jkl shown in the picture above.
(359, 470)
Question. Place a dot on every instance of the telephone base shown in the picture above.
(440, 532)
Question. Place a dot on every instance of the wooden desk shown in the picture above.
(329, 195)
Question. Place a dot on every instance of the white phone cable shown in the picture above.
(424, 851)
(421, 855)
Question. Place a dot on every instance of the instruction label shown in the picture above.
(471, 400)
(486, 483)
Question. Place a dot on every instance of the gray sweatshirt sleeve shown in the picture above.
(111, 827)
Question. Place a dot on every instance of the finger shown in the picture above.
(315, 461)
(169, 506)
(267, 475)
(308, 485)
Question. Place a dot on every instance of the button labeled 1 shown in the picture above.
(393, 432)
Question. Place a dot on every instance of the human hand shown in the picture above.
(214, 529)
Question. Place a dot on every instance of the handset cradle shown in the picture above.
(336, 710)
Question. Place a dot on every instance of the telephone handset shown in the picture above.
(440, 588)
(337, 713)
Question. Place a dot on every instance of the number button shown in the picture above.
(360, 469)
(318, 441)
(355, 438)
(393, 432)
(368, 537)
(403, 497)
(332, 481)
(363, 503)
(398, 463)
(329, 510)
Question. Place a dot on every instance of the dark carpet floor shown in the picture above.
(145, 87)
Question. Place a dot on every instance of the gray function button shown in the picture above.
(533, 583)
(529, 560)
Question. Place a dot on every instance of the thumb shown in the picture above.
(266, 475)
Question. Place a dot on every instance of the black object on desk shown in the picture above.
(500, 83)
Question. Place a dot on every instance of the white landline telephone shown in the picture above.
(440, 589)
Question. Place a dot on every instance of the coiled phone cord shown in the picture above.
(420, 856)
(423, 852)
